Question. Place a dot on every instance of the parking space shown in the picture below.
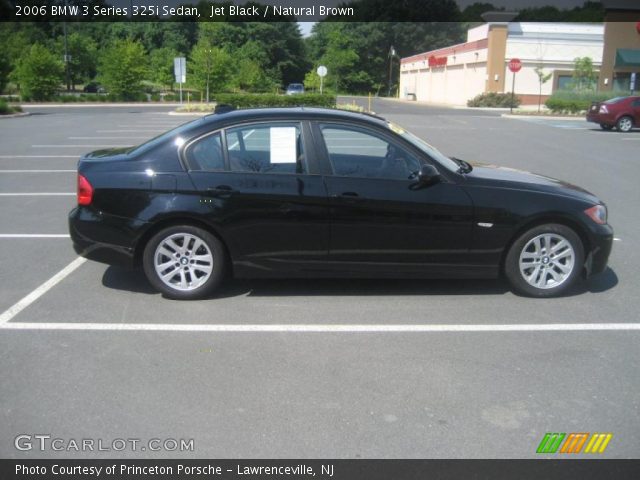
(322, 368)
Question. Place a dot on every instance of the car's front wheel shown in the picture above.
(625, 124)
(545, 261)
(184, 262)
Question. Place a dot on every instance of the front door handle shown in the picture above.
(221, 191)
(347, 196)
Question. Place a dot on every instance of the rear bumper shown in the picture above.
(103, 238)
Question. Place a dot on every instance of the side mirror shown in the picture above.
(428, 175)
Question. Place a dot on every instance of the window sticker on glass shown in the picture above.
(283, 144)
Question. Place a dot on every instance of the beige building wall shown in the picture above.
(473, 68)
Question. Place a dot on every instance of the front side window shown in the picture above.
(355, 152)
(266, 148)
(206, 154)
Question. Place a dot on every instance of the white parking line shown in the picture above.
(38, 156)
(20, 305)
(73, 145)
(108, 138)
(318, 328)
(37, 171)
(37, 194)
(129, 131)
(34, 235)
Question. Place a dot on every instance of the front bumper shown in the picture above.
(103, 238)
(601, 241)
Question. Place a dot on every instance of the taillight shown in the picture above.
(85, 191)
(604, 109)
(597, 213)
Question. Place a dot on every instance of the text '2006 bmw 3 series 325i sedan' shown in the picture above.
(301, 192)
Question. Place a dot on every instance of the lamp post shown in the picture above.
(66, 52)
(392, 53)
(208, 70)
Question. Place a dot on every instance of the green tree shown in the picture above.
(5, 70)
(542, 79)
(123, 67)
(584, 76)
(161, 61)
(82, 51)
(39, 73)
(211, 68)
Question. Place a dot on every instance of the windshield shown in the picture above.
(175, 132)
(430, 150)
(614, 100)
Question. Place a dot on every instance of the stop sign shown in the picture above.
(515, 65)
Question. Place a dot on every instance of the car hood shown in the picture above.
(503, 177)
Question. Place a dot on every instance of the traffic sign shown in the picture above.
(180, 69)
(515, 65)
(322, 71)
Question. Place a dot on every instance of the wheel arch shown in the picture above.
(557, 218)
(174, 221)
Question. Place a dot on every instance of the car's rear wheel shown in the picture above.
(624, 124)
(604, 126)
(545, 261)
(184, 262)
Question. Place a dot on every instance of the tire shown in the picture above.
(604, 126)
(533, 272)
(624, 124)
(196, 273)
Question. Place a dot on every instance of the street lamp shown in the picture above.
(66, 52)
(392, 53)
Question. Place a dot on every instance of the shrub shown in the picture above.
(254, 100)
(6, 109)
(574, 102)
(494, 100)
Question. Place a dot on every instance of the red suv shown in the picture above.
(620, 112)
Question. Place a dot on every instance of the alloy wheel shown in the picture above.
(183, 261)
(625, 124)
(547, 260)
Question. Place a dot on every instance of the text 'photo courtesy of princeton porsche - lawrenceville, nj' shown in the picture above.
(336, 240)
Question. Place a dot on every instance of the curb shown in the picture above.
(544, 117)
(15, 115)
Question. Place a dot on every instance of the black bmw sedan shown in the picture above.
(300, 192)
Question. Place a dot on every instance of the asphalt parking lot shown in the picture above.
(315, 369)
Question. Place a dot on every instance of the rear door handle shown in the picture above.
(348, 197)
(221, 191)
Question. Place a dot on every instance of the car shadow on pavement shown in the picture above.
(117, 278)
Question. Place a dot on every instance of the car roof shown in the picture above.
(283, 113)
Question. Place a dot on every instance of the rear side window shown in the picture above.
(206, 154)
(266, 148)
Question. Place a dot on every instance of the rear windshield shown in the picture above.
(173, 133)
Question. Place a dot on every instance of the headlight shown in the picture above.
(597, 213)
